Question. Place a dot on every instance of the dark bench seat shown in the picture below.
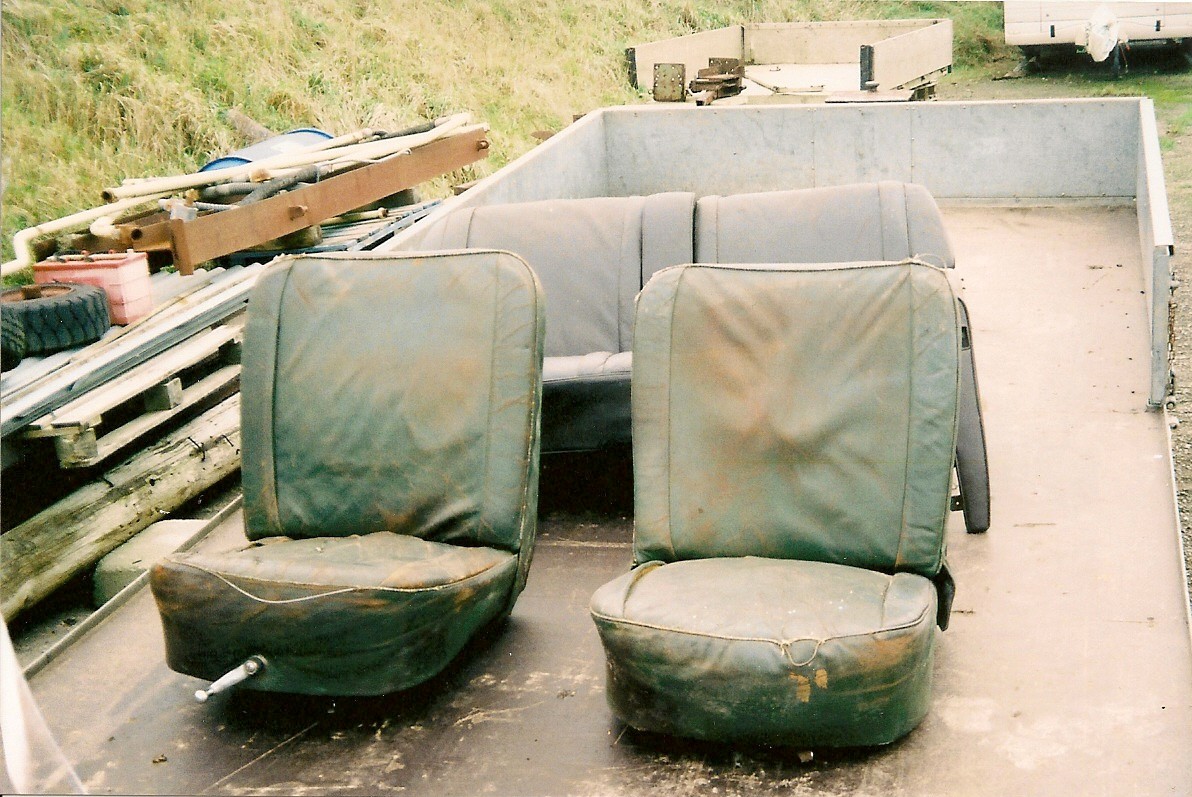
(594, 255)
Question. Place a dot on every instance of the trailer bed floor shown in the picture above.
(766, 79)
(1067, 668)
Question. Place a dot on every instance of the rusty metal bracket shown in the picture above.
(669, 80)
(214, 235)
(727, 66)
(721, 78)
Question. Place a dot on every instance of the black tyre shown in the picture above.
(58, 316)
(12, 341)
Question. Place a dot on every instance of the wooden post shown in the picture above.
(46, 551)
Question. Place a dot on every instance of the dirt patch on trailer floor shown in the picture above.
(1165, 75)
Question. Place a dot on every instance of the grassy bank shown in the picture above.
(98, 90)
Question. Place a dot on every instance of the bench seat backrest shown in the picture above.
(868, 221)
(592, 256)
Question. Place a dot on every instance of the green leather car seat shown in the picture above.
(794, 429)
(886, 220)
(390, 424)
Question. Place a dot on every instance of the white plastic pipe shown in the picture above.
(284, 161)
(138, 185)
(374, 150)
(22, 240)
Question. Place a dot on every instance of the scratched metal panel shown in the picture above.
(727, 150)
(570, 164)
(1026, 150)
(1157, 243)
(855, 144)
(995, 150)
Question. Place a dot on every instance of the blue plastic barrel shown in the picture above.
(274, 145)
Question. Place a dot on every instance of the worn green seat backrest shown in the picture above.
(592, 255)
(366, 407)
(797, 412)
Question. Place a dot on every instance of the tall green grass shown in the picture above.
(98, 90)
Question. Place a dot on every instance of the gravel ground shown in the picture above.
(1165, 75)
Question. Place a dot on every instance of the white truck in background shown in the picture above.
(1103, 30)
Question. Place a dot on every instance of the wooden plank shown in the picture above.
(46, 551)
(76, 446)
(218, 234)
(205, 388)
(88, 409)
(83, 447)
(163, 397)
(102, 362)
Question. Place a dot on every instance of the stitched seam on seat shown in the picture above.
(783, 642)
(943, 537)
(716, 227)
(635, 578)
(902, 530)
(670, 382)
(535, 410)
(276, 509)
(626, 234)
(470, 216)
(853, 265)
(641, 260)
(492, 370)
(885, 594)
(331, 592)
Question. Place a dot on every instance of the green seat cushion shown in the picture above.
(767, 650)
(339, 615)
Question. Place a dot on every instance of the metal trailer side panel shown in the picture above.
(693, 51)
(577, 168)
(820, 42)
(966, 151)
(989, 152)
(861, 143)
(1012, 152)
(751, 150)
(1027, 151)
(906, 59)
(1158, 245)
